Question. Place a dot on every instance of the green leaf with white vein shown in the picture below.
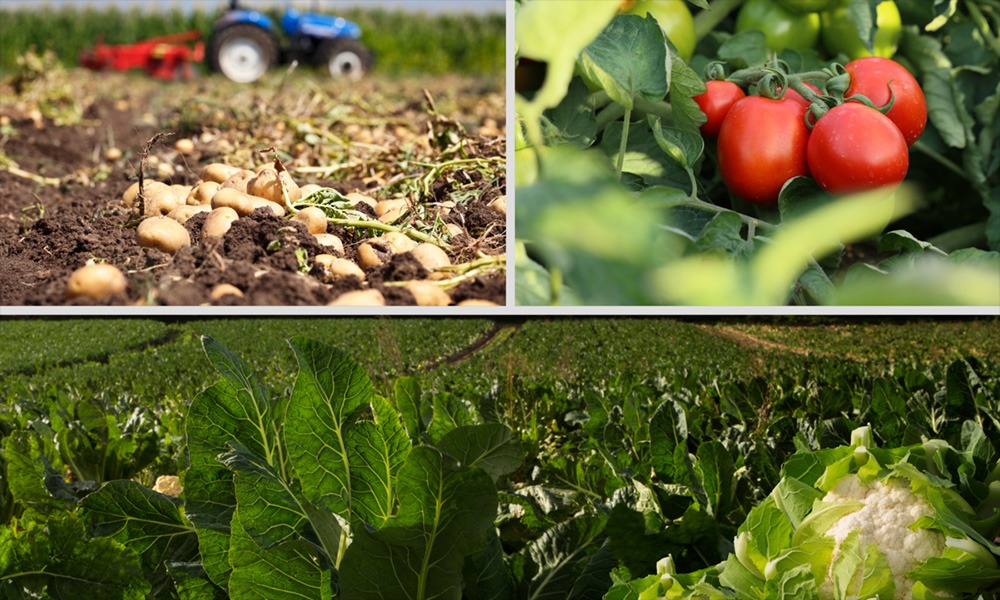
(291, 570)
(490, 446)
(237, 407)
(145, 521)
(266, 504)
(628, 59)
(445, 514)
(330, 394)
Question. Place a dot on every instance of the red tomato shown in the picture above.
(762, 144)
(715, 103)
(791, 94)
(872, 76)
(854, 148)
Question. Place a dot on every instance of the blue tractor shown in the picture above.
(246, 43)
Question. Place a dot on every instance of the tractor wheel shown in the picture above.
(242, 52)
(347, 59)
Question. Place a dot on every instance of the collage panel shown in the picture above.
(259, 338)
(779, 153)
(508, 458)
(293, 153)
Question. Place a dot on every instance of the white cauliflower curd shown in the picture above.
(890, 508)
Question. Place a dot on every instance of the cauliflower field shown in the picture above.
(575, 458)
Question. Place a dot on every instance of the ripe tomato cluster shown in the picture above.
(764, 142)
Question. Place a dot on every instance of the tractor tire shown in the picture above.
(346, 59)
(242, 52)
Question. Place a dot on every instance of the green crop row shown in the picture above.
(402, 42)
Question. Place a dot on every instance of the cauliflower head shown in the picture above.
(889, 510)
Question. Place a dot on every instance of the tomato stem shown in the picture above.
(660, 109)
(624, 144)
(940, 158)
(962, 237)
(608, 114)
(707, 20)
(984, 26)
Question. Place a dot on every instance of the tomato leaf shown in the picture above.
(800, 195)
(744, 49)
(683, 146)
(628, 59)
(684, 84)
(863, 14)
(573, 119)
(644, 157)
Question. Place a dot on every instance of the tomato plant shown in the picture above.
(674, 18)
(716, 102)
(629, 197)
(762, 144)
(782, 28)
(872, 76)
(854, 147)
(841, 36)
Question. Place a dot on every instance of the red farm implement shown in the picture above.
(167, 57)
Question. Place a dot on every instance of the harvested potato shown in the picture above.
(430, 256)
(130, 195)
(499, 206)
(477, 302)
(97, 282)
(268, 183)
(182, 213)
(182, 191)
(243, 203)
(238, 180)
(313, 217)
(218, 172)
(427, 293)
(330, 242)
(330, 268)
(309, 188)
(203, 192)
(225, 289)
(359, 298)
(454, 229)
(389, 211)
(218, 222)
(184, 145)
(354, 198)
(165, 170)
(112, 154)
(160, 198)
(399, 242)
(163, 233)
(374, 253)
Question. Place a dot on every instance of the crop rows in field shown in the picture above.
(403, 42)
(122, 355)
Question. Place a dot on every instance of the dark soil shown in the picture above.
(48, 231)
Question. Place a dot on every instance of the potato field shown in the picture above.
(392, 189)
